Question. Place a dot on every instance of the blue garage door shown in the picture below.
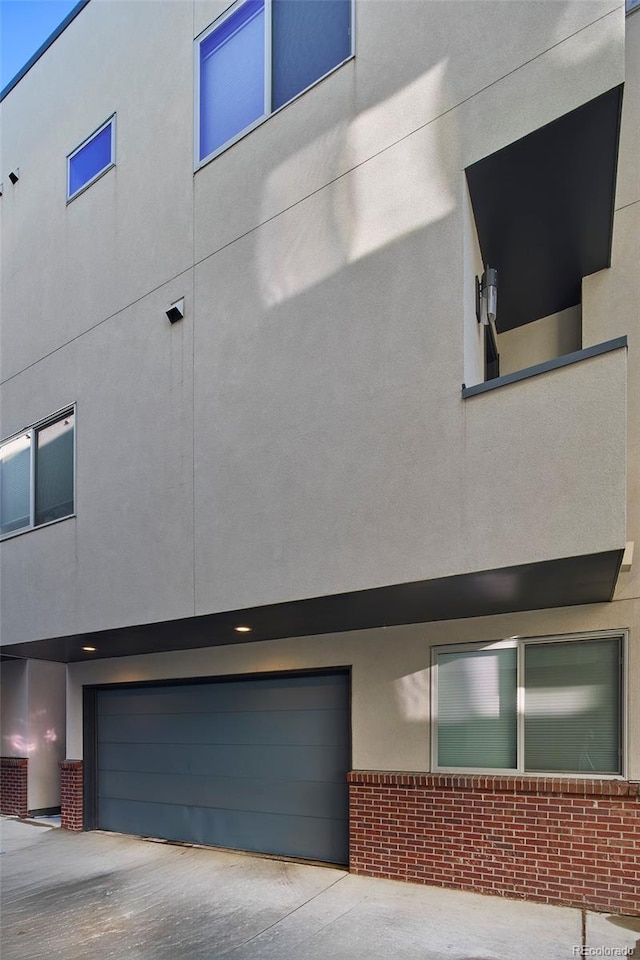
(257, 764)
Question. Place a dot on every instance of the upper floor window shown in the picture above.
(92, 158)
(259, 56)
(37, 475)
(530, 706)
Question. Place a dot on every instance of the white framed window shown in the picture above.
(258, 56)
(550, 705)
(37, 474)
(95, 155)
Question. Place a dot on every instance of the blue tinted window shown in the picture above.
(238, 84)
(310, 37)
(91, 159)
(232, 77)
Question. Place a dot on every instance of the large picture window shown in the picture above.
(530, 706)
(259, 56)
(37, 475)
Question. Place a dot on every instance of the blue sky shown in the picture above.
(24, 26)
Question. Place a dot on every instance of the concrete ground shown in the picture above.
(109, 897)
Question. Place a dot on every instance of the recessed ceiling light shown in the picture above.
(89, 649)
(242, 629)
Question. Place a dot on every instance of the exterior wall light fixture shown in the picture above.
(176, 311)
(14, 176)
(242, 629)
(487, 296)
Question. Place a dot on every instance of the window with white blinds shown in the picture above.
(477, 713)
(531, 706)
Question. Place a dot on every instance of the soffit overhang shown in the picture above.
(553, 583)
(543, 208)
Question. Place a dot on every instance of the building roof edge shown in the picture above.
(43, 48)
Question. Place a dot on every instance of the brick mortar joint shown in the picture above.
(8, 763)
(495, 783)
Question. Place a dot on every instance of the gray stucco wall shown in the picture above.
(301, 432)
(33, 724)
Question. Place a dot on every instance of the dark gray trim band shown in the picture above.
(45, 46)
(90, 754)
(563, 582)
(554, 364)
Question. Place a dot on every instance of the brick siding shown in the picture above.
(13, 786)
(563, 841)
(71, 794)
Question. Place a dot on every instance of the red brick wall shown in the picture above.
(71, 794)
(13, 786)
(573, 842)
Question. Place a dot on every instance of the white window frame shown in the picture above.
(198, 163)
(519, 643)
(85, 186)
(32, 432)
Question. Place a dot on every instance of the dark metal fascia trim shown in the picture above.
(614, 580)
(343, 670)
(595, 351)
(614, 172)
(90, 758)
(42, 49)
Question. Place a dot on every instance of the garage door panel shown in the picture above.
(259, 764)
(289, 797)
(259, 727)
(276, 763)
(290, 836)
(309, 693)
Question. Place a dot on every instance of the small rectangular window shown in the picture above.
(530, 706)
(37, 475)
(259, 56)
(91, 159)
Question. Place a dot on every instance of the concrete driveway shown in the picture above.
(106, 897)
